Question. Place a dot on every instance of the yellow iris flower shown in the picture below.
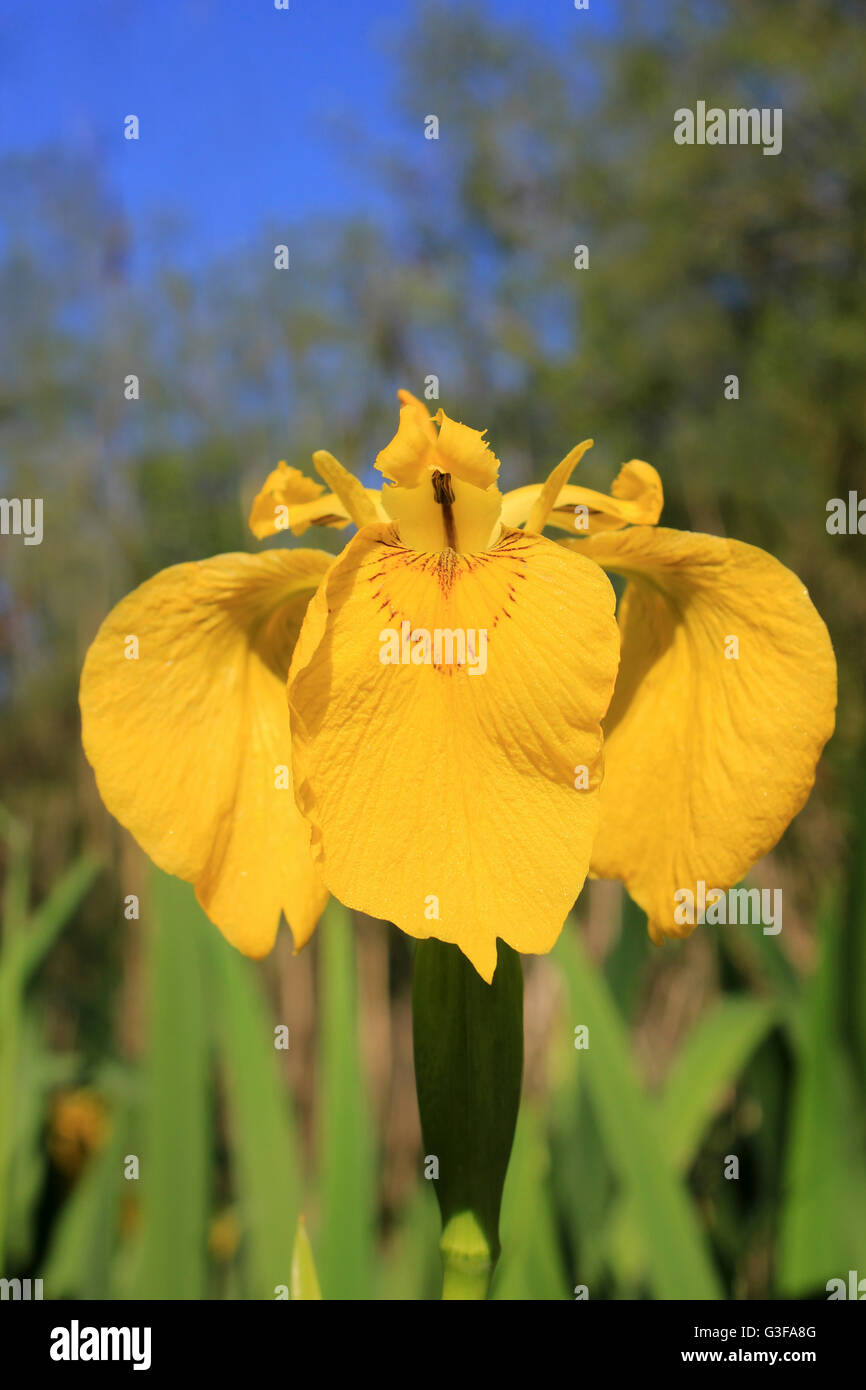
(458, 807)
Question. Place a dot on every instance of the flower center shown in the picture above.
(444, 513)
(444, 494)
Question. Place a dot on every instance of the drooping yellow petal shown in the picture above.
(290, 501)
(552, 487)
(185, 723)
(326, 510)
(725, 698)
(455, 793)
(636, 500)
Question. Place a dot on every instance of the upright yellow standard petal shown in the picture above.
(451, 781)
(419, 448)
(185, 724)
(411, 452)
(725, 698)
(358, 502)
(465, 453)
(553, 485)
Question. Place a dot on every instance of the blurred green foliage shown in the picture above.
(703, 261)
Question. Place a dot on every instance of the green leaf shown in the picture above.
(174, 1176)
(412, 1268)
(305, 1283)
(680, 1265)
(262, 1133)
(531, 1265)
(11, 1005)
(853, 946)
(345, 1134)
(25, 943)
(707, 1065)
(468, 1044)
(583, 1190)
(79, 1259)
(35, 1078)
(51, 916)
(824, 1216)
(16, 877)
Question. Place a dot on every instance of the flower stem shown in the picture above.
(468, 1067)
(466, 1260)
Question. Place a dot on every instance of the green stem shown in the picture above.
(467, 1264)
(468, 1067)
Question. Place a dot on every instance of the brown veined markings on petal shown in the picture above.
(448, 568)
(439, 604)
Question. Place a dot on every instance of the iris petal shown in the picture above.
(290, 501)
(636, 500)
(725, 698)
(419, 449)
(553, 486)
(457, 805)
(185, 723)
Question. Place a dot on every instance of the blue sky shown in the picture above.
(246, 112)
